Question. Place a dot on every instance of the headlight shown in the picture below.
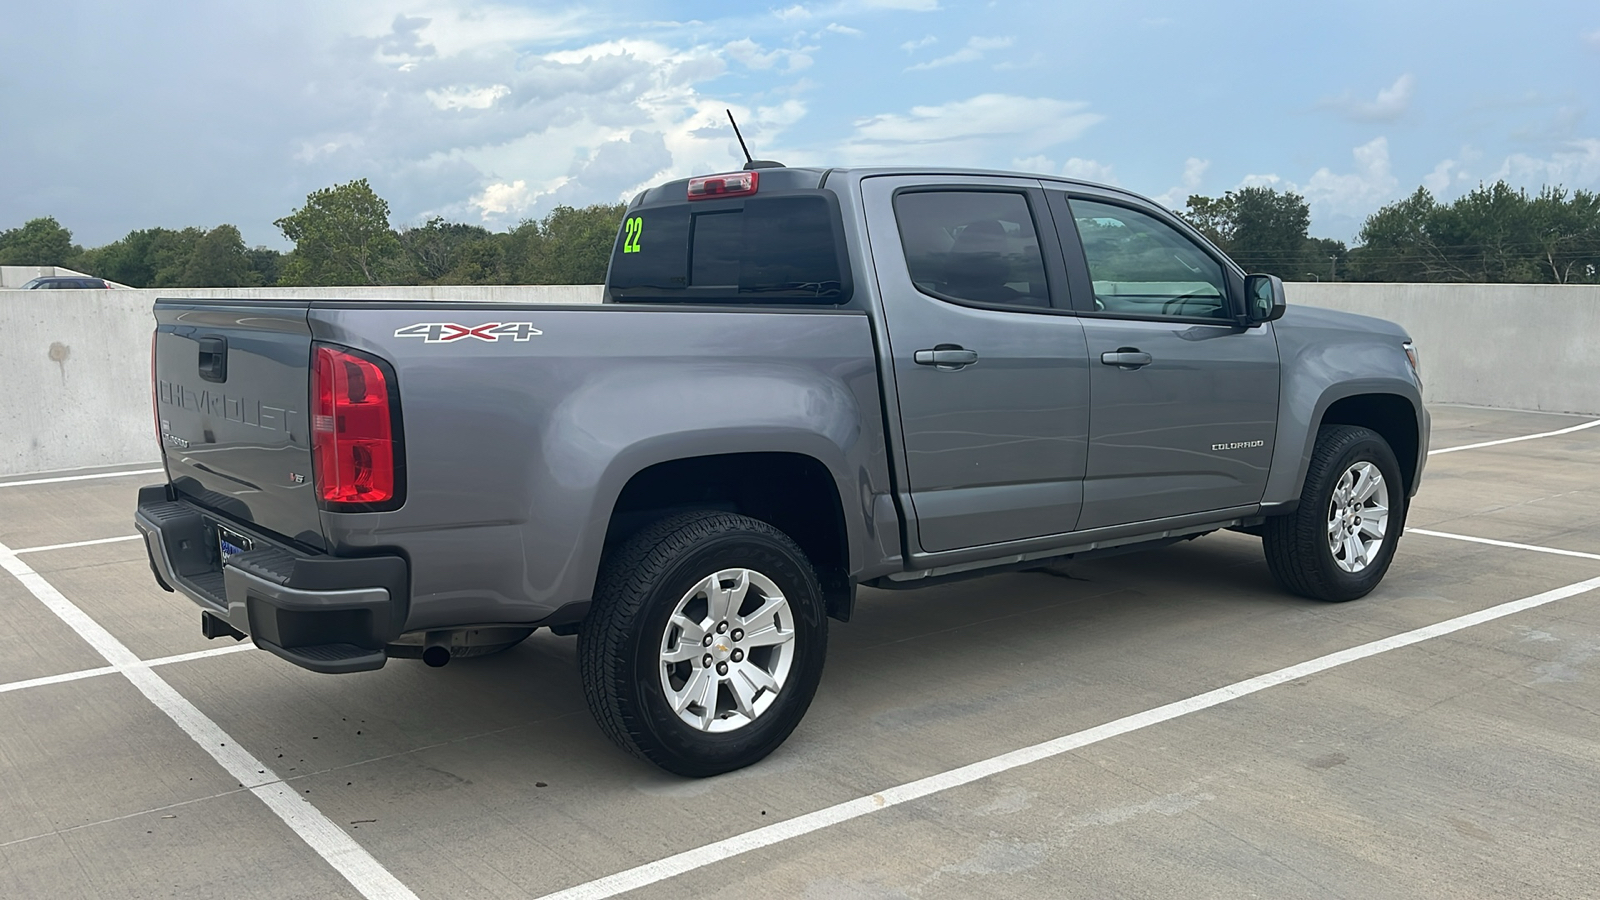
(1414, 359)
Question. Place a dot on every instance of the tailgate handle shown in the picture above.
(214, 359)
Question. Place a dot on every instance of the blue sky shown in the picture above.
(122, 115)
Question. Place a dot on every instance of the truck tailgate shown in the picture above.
(232, 387)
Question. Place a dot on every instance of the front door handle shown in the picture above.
(1126, 358)
(949, 357)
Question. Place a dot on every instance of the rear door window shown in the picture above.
(974, 246)
(1141, 266)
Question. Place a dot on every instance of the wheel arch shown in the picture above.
(1392, 417)
(1388, 406)
(792, 491)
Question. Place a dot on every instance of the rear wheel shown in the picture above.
(705, 642)
(1338, 544)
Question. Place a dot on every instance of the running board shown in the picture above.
(1070, 550)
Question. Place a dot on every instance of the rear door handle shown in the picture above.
(1126, 358)
(947, 356)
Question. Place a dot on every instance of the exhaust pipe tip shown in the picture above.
(436, 649)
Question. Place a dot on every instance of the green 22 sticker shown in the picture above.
(631, 230)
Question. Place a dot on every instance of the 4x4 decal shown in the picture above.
(445, 332)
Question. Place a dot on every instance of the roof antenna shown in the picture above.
(749, 162)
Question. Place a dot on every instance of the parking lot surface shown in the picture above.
(1167, 746)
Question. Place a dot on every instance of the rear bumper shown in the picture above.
(323, 613)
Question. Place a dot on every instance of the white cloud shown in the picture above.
(1575, 166)
(905, 5)
(919, 43)
(502, 198)
(1342, 196)
(467, 98)
(450, 30)
(836, 28)
(1391, 103)
(974, 50)
(754, 56)
(1592, 38)
(1194, 172)
(1081, 169)
(1357, 193)
(792, 13)
(1438, 181)
(967, 132)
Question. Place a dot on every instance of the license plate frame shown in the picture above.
(231, 543)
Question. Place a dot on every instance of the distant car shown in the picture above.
(66, 283)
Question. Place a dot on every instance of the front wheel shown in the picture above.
(1338, 544)
(705, 642)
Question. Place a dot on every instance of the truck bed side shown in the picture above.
(518, 448)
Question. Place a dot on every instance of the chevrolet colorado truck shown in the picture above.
(801, 380)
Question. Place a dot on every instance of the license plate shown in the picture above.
(230, 543)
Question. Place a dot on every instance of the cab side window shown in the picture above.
(1141, 266)
(977, 246)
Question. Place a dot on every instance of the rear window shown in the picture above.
(783, 247)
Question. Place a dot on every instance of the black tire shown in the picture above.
(1297, 545)
(619, 645)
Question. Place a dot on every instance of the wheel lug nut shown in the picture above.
(707, 660)
(722, 668)
(722, 627)
(738, 634)
(706, 641)
(738, 656)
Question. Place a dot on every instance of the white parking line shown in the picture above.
(1513, 440)
(688, 861)
(112, 540)
(59, 479)
(1510, 544)
(56, 679)
(199, 654)
(108, 670)
(365, 873)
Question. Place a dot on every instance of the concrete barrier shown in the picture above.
(1513, 346)
(74, 365)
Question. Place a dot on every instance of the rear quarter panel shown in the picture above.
(517, 450)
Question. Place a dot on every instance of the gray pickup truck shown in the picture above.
(801, 380)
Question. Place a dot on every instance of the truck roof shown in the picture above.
(810, 177)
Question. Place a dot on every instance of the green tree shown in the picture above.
(569, 246)
(1566, 234)
(479, 262)
(219, 259)
(266, 262)
(1492, 234)
(150, 257)
(1263, 230)
(436, 247)
(39, 242)
(341, 237)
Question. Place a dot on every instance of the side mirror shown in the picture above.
(1263, 298)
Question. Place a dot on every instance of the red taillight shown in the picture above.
(352, 436)
(732, 184)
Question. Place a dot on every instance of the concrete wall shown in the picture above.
(74, 365)
(1515, 346)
